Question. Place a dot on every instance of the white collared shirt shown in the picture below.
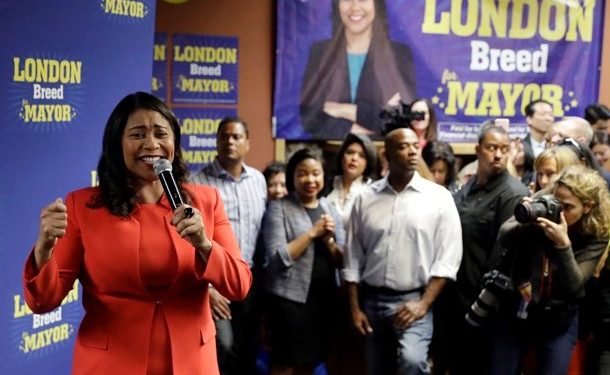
(537, 147)
(344, 204)
(400, 240)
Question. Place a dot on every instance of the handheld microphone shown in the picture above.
(163, 169)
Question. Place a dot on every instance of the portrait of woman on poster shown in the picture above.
(351, 77)
(144, 269)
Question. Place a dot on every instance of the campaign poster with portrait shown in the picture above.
(198, 128)
(475, 60)
(204, 69)
(63, 68)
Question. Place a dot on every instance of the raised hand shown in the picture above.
(53, 223)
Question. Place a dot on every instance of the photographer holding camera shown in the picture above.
(552, 246)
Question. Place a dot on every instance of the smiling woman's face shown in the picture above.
(308, 180)
(147, 137)
(357, 16)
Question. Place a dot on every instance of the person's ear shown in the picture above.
(587, 207)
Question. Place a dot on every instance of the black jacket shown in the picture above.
(368, 94)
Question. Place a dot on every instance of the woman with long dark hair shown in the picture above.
(356, 164)
(144, 269)
(351, 77)
(441, 161)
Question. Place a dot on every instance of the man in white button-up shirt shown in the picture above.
(404, 241)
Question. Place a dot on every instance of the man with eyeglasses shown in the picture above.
(484, 203)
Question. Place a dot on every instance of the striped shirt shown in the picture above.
(244, 199)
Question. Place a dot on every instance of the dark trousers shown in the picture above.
(237, 339)
(457, 347)
(513, 338)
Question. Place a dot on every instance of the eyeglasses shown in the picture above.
(569, 141)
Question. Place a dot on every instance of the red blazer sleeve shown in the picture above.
(226, 269)
(46, 288)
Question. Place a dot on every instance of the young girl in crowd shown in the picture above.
(550, 162)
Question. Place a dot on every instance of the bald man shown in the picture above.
(572, 127)
(580, 130)
(404, 242)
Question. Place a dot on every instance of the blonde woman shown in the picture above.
(552, 161)
(551, 260)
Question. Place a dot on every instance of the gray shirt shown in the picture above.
(244, 199)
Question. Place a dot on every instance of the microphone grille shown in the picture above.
(162, 165)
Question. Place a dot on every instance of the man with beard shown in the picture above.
(403, 244)
(484, 203)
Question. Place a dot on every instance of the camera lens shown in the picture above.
(528, 212)
(523, 213)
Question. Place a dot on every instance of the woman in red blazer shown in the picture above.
(144, 269)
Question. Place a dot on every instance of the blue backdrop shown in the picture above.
(63, 67)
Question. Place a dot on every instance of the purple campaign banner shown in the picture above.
(204, 69)
(159, 74)
(63, 68)
(198, 134)
(475, 60)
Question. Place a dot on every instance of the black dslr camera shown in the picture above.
(400, 116)
(545, 206)
(495, 284)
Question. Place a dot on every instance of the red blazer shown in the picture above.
(101, 250)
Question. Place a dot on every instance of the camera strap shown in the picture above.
(545, 280)
(525, 290)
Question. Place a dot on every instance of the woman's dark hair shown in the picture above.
(328, 80)
(294, 161)
(116, 191)
(432, 130)
(583, 152)
(273, 169)
(600, 137)
(439, 150)
(596, 112)
(370, 153)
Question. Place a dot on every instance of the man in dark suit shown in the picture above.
(539, 118)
